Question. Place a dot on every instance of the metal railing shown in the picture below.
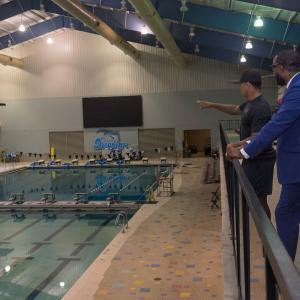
(124, 223)
(281, 275)
(230, 124)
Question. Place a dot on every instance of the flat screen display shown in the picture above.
(123, 111)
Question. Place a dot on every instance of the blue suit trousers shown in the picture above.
(287, 215)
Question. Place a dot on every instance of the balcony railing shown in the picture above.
(246, 217)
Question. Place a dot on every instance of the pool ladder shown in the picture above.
(122, 220)
(16, 198)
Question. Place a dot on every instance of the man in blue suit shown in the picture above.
(285, 127)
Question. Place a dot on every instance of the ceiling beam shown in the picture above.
(228, 4)
(216, 53)
(35, 31)
(223, 40)
(227, 21)
(198, 15)
(7, 60)
(278, 14)
(80, 12)
(292, 5)
(209, 49)
(293, 16)
(17, 7)
(13, 8)
(152, 18)
(214, 43)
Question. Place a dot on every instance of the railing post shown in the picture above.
(271, 293)
(246, 244)
(231, 199)
(237, 226)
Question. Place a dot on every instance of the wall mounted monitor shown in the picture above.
(123, 111)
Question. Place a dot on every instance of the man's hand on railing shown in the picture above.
(233, 151)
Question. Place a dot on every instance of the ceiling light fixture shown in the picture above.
(123, 5)
(249, 45)
(258, 22)
(72, 27)
(295, 48)
(22, 28)
(144, 30)
(7, 268)
(184, 7)
(192, 32)
(243, 59)
(49, 40)
(42, 7)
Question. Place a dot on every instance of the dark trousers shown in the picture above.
(287, 215)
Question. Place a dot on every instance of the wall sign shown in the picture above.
(108, 139)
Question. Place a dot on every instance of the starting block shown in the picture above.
(49, 198)
(163, 160)
(145, 160)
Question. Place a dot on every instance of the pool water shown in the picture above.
(98, 183)
(47, 256)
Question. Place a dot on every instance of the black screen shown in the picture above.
(122, 111)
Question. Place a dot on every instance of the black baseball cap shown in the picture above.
(251, 76)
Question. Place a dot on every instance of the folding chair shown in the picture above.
(215, 198)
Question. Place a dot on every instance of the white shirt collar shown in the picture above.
(288, 84)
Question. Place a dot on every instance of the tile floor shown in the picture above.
(175, 254)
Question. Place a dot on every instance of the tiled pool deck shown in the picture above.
(176, 253)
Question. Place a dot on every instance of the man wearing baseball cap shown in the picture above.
(255, 112)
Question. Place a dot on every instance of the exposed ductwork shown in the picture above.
(151, 16)
(11, 61)
(77, 10)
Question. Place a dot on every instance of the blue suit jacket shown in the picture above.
(285, 127)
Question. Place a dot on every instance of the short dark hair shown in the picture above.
(289, 59)
(251, 76)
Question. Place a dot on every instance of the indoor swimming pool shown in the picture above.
(127, 182)
(41, 256)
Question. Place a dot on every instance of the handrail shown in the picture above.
(282, 266)
(124, 216)
(146, 191)
(104, 184)
(130, 182)
(284, 270)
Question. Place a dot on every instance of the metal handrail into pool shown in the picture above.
(124, 216)
(130, 182)
(104, 184)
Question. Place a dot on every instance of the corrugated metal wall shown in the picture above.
(67, 143)
(82, 64)
(157, 142)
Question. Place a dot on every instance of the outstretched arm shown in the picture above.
(230, 109)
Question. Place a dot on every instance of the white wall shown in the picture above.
(80, 64)
(46, 95)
